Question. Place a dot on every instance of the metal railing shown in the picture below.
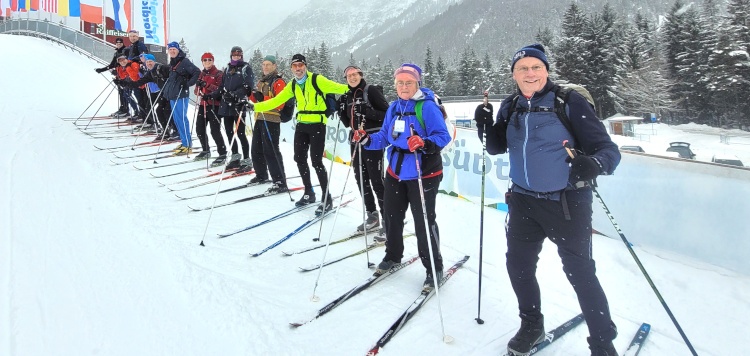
(76, 40)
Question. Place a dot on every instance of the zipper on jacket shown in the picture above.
(525, 141)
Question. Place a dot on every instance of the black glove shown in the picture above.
(117, 81)
(229, 96)
(584, 168)
(258, 96)
(99, 70)
(484, 120)
(200, 83)
(342, 104)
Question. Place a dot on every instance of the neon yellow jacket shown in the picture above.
(307, 99)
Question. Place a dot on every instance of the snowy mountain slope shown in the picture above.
(99, 259)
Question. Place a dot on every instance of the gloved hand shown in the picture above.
(229, 96)
(258, 96)
(484, 120)
(361, 136)
(201, 83)
(118, 81)
(342, 104)
(99, 70)
(584, 168)
(415, 142)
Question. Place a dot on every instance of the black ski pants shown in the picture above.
(311, 137)
(372, 175)
(207, 117)
(230, 125)
(532, 219)
(162, 110)
(264, 151)
(399, 196)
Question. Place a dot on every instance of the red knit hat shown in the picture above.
(207, 55)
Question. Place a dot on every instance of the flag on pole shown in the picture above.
(49, 6)
(91, 11)
(150, 19)
(22, 6)
(34, 5)
(70, 8)
(119, 11)
(5, 8)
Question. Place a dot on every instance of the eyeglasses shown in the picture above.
(405, 84)
(526, 69)
(298, 65)
(208, 60)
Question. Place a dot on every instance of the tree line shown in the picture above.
(692, 66)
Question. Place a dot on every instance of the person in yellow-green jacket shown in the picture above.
(311, 125)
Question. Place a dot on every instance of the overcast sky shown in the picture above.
(208, 26)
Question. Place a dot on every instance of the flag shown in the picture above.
(49, 6)
(119, 11)
(14, 5)
(91, 11)
(150, 19)
(34, 5)
(22, 6)
(70, 8)
(5, 8)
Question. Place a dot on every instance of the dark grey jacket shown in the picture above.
(182, 75)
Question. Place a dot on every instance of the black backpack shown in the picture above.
(366, 91)
(562, 95)
(287, 112)
(330, 99)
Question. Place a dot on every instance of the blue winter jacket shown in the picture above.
(183, 74)
(401, 163)
(534, 140)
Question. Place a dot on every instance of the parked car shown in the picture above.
(632, 148)
(727, 159)
(682, 148)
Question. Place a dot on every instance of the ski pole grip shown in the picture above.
(571, 152)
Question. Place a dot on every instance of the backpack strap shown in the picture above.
(365, 95)
(318, 92)
(418, 109)
(562, 95)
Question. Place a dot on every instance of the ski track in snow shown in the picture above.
(100, 259)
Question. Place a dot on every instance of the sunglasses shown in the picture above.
(208, 60)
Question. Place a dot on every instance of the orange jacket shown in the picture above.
(131, 70)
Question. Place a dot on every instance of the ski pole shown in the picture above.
(330, 172)
(446, 338)
(109, 82)
(188, 129)
(314, 297)
(97, 110)
(140, 129)
(275, 148)
(481, 227)
(362, 194)
(221, 176)
(171, 114)
(572, 154)
(152, 112)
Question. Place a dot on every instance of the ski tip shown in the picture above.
(295, 325)
(374, 351)
(286, 254)
(254, 254)
(193, 209)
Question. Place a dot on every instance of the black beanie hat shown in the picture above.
(298, 58)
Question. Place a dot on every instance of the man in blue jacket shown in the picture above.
(551, 196)
(183, 74)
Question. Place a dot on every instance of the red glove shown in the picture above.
(415, 142)
(361, 136)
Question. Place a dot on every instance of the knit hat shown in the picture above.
(173, 44)
(298, 58)
(410, 69)
(207, 55)
(133, 31)
(236, 50)
(149, 57)
(535, 50)
(270, 58)
(122, 56)
(119, 40)
(352, 68)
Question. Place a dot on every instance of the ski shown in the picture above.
(305, 225)
(163, 165)
(177, 173)
(258, 196)
(85, 118)
(553, 335)
(374, 279)
(413, 308)
(317, 246)
(248, 185)
(207, 175)
(637, 343)
(369, 247)
(126, 147)
(284, 214)
(162, 156)
(233, 175)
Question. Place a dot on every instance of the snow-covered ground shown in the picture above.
(97, 258)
